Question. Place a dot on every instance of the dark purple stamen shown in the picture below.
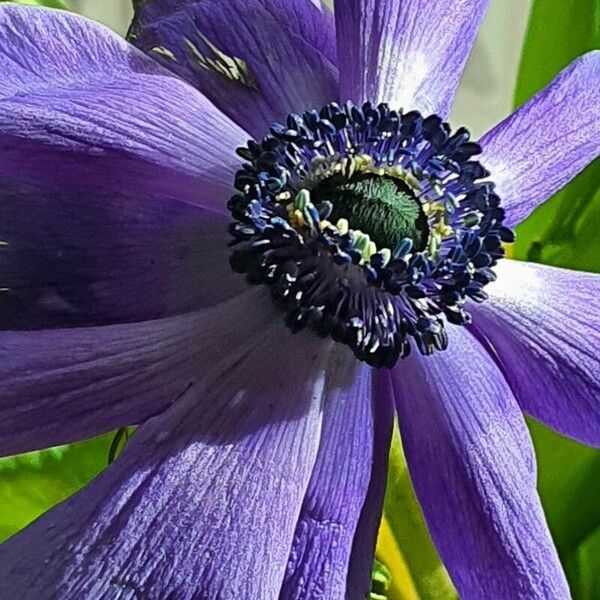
(372, 299)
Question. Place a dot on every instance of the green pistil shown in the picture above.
(381, 206)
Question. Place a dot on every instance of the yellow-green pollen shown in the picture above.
(378, 206)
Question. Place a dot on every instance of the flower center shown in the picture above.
(383, 207)
(372, 226)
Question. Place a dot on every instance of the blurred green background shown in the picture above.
(522, 45)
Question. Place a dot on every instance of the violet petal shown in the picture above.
(472, 465)
(543, 325)
(238, 54)
(540, 147)
(64, 385)
(409, 54)
(78, 256)
(203, 502)
(107, 100)
(338, 487)
(114, 178)
(365, 539)
(309, 20)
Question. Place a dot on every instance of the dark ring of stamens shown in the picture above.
(334, 278)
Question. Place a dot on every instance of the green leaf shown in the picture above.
(564, 232)
(584, 564)
(560, 232)
(48, 3)
(380, 582)
(559, 31)
(33, 483)
(569, 485)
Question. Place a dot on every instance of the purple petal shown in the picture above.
(79, 255)
(104, 98)
(238, 54)
(303, 18)
(336, 493)
(473, 468)
(68, 384)
(409, 54)
(204, 501)
(363, 548)
(543, 325)
(544, 144)
(105, 163)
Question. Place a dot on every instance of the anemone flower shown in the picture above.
(366, 233)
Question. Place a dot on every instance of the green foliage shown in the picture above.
(565, 232)
(559, 31)
(569, 486)
(48, 3)
(583, 566)
(34, 482)
(380, 582)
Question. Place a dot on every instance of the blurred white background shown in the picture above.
(485, 95)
